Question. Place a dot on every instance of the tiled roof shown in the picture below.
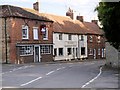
(13, 11)
(62, 24)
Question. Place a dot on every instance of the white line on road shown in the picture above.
(30, 81)
(50, 72)
(58, 69)
(93, 78)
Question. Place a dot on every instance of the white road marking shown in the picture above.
(50, 72)
(15, 69)
(30, 81)
(58, 69)
(93, 78)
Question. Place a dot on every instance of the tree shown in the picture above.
(109, 16)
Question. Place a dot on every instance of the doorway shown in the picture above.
(37, 57)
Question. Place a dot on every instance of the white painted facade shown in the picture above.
(74, 45)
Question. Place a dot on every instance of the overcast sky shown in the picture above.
(59, 7)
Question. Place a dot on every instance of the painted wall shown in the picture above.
(75, 44)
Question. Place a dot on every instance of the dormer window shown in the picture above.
(25, 33)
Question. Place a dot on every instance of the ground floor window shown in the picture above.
(82, 50)
(26, 50)
(99, 51)
(60, 51)
(45, 49)
(69, 51)
(90, 51)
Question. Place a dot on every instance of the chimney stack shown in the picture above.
(95, 21)
(70, 13)
(36, 6)
(80, 18)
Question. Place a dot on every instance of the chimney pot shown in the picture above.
(36, 6)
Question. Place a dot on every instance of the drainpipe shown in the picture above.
(6, 41)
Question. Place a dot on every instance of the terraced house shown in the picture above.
(27, 37)
(30, 36)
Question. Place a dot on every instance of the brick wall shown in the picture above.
(95, 45)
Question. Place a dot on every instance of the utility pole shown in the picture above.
(6, 40)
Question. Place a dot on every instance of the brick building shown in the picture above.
(30, 36)
(26, 37)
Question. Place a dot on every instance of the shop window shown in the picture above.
(25, 32)
(60, 51)
(26, 50)
(45, 49)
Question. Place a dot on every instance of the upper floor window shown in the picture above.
(69, 37)
(35, 33)
(25, 32)
(82, 38)
(44, 31)
(60, 36)
(98, 39)
(91, 39)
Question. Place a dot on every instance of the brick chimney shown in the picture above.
(80, 18)
(95, 21)
(36, 6)
(70, 13)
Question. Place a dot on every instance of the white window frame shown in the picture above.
(90, 51)
(45, 49)
(69, 37)
(60, 36)
(26, 50)
(35, 33)
(46, 35)
(91, 38)
(98, 38)
(25, 27)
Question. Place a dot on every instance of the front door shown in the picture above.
(94, 53)
(37, 54)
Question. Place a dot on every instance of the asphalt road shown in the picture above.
(59, 75)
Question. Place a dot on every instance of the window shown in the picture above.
(44, 32)
(35, 33)
(69, 37)
(90, 51)
(26, 50)
(99, 51)
(98, 39)
(60, 51)
(25, 32)
(55, 52)
(45, 49)
(82, 38)
(91, 39)
(60, 36)
(69, 51)
(82, 50)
